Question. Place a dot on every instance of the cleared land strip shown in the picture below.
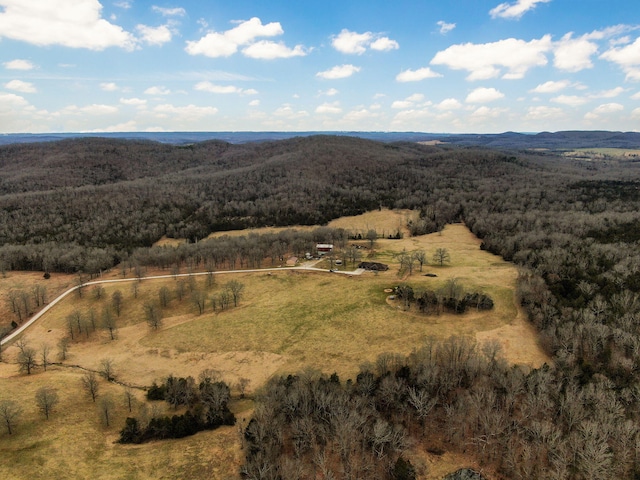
(49, 306)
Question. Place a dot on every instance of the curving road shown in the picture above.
(50, 305)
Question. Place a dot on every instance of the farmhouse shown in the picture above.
(324, 248)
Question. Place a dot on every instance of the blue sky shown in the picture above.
(472, 66)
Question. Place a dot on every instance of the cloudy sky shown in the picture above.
(470, 66)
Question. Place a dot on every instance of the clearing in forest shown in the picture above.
(287, 320)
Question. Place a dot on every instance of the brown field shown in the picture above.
(287, 320)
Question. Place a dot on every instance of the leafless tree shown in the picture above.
(242, 384)
(27, 359)
(106, 409)
(153, 315)
(106, 369)
(45, 351)
(46, 400)
(98, 292)
(109, 322)
(129, 398)
(90, 384)
(441, 256)
(116, 302)
(63, 348)
(10, 412)
(420, 256)
(236, 288)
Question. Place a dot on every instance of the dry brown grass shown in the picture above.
(288, 320)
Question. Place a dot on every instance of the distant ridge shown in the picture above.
(512, 140)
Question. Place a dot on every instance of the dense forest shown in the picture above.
(572, 226)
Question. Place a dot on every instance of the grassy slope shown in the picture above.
(287, 321)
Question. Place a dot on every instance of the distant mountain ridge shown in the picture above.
(549, 140)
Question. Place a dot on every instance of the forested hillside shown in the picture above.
(572, 226)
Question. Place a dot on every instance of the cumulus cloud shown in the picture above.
(574, 54)
(155, 90)
(223, 89)
(607, 109)
(409, 102)
(246, 33)
(514, 10)
(109, 86)
(612, 93)
(570, 100)
(19, 64)
(69, 23)
(330, 93)
(487, 60)
(384, 44)
(254, 103)
(551, 86)
(332, 108)
(155, 35)
(445, 27)
(169, 12)
(449, 104)
(339, 71)
(627, 58)
(357, 43)
(267, 50)
(484, 95)
(416, 75)
(136, 102)
(20, 86)
(287, 111)
(544, 113)
(186, 112)
(94, 110)
(635, 96)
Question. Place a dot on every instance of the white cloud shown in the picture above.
(607, 109)
(384, 44)
(484, 112)
(136, 102)
(574, 54)
(544, 113)
(351, 42)
(636, 96)
(332, 108)
(408, 102)
(356, 43)
(223, 89)
(225, 44)
(20, 86)
(627, 58)
(155, 90)
(339, 71)
(254, 103)
(267, 50)
(124, 4)
(514, 10)
(94, 109)
(449, 104)
(130, 126)
(487, 60)
(287, 111)
(155, 35)
(70, 23)
(329, 93)
(416, 75)
(551, 86)
(570, 100)
(109, 86)
(484, 95)
(612, 93)
(169, 12)
(187, 112)
(19, 64)
(445, 27)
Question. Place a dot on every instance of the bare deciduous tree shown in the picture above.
(27, 359)
(116, 302)
(106, 369)
(441, 256)
(45, 351)
(46, 400)
(106, 409)
(90, 384)
(10, 412)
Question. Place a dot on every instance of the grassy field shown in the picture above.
(287, 320)
(604, 153)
